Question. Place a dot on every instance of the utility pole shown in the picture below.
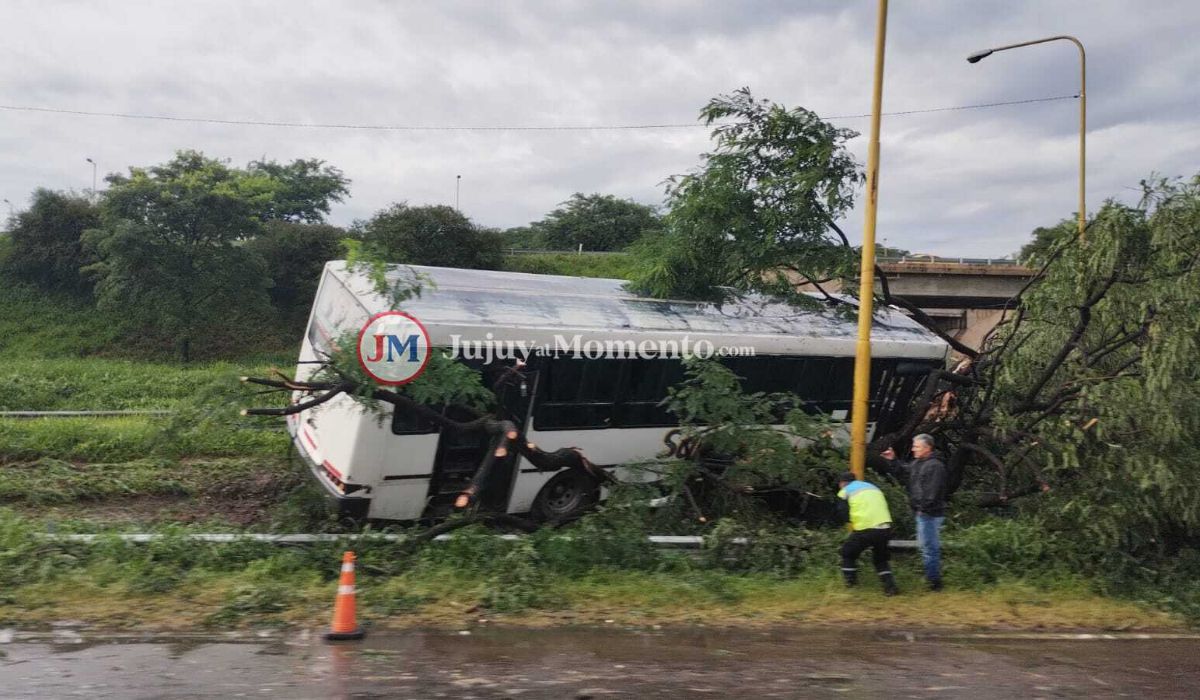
(457, 187)
(866, 292)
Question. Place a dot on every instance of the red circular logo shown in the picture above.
(393, 348)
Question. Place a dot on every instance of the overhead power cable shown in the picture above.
(403, 127)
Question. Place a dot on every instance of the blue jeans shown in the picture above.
(929, 540)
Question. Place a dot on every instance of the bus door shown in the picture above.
(460, 454)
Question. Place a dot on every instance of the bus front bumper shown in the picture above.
(353, 507)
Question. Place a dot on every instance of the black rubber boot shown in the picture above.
(889, 583)
(935, 585)
(851, 577)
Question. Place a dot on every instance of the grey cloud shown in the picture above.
(963, 182)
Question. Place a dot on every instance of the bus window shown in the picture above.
(405, 422)
(644, 387)
(578, 393)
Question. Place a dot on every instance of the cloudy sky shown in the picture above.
(965, 182)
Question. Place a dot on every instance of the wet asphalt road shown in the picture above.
(592, 663)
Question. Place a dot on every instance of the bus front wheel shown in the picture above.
(566, 497)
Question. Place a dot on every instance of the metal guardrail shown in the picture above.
(683, 542)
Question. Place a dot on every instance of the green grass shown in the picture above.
(48, 481)
(38, 324)
(174, 583)
(614, 266)
(34, 323)
(53, 384)
(132, 438)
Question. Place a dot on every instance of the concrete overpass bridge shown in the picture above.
(947, 283)
(965, 296)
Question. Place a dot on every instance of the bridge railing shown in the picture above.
(943, 259)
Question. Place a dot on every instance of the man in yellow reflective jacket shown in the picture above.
(871, 524)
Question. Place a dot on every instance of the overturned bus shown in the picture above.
(582, 388)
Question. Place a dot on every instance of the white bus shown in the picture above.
(403, 468)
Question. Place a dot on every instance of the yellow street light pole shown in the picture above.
(980, 55)
(866, 291)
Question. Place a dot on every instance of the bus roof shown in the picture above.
(516, 306)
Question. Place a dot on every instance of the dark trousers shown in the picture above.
(859, 540)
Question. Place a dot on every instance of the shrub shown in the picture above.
(295, 255)
(45, 243)
(432, 235)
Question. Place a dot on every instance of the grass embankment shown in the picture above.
(607, 265)
(202, 462)
(543, 580)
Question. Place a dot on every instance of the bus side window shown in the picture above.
(645, 386)
(409, 423)
(579, 393)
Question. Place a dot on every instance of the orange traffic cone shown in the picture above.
(344, 627)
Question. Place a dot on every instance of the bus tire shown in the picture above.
(567, 496)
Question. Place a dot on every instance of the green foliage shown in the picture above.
(431, 235)
(607, 266)
(520, 582)
(760, 207)
(595, 221)
(757, 441)
(444, 381)
(1011, 549)
(761, 548)
(42, 324)
(395, 285)
(1098, 389)
(303, 189)
(523, 238)
(61, 384)
(45, 243)
(168, 248)
(295, 254)
(613, 537)
(1046, 240)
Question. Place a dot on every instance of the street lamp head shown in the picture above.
(90, 161)
(979, 56)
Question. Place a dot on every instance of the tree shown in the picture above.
(523, 238)
(46, 247)
(304, 189)
(596, 222)
(760, 215)
(1045, 239)
(295, 255)
(763, 205)
(1088, 393)
(432, 235)
(168, 247)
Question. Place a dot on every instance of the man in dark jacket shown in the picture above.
(926, 478)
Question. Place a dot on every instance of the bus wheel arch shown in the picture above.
(566, 496)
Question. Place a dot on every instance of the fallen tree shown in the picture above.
(1087, 390)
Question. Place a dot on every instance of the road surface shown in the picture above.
(596, 663)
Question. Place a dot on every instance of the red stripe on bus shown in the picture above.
(310, 439)
(332, 470)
